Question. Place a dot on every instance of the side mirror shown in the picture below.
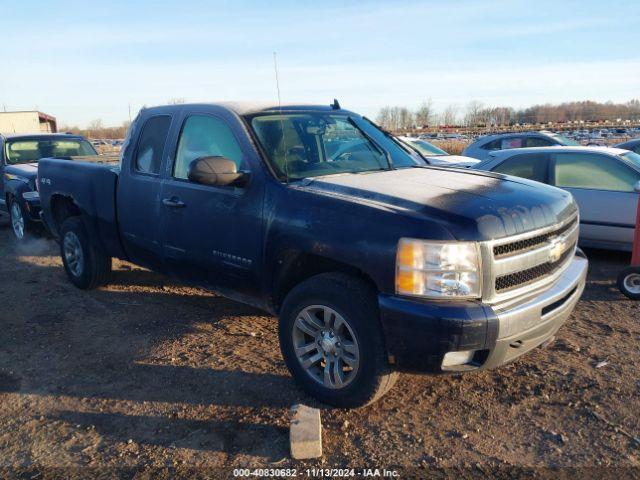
(218, 171)
(637, 187)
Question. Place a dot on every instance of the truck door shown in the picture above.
(213, 234)
(138, 197)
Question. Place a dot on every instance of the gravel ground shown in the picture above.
(153, 379)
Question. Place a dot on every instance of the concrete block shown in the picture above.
(305, 432)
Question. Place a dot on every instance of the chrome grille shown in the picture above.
(529, 243)
(524, 277)
(524, 263)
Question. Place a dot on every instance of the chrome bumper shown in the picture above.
(528, 325)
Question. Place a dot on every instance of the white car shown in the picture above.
(436, 156)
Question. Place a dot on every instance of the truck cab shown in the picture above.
(373, 262)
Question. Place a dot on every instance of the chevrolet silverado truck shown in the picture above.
(19, 155)
(374, 262)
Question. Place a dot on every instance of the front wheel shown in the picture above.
(87, 266)
(332, 343)
(629, 282)
(19, 222)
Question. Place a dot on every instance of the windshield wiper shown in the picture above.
(377, 146)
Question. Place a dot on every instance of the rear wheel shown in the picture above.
(629, 282)
(87, 266)
(332, 343)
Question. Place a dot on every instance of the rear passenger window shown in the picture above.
(531, 166)
(508, 143)
(592, 171)
(537, 142)
(494, 145)
(151, 144)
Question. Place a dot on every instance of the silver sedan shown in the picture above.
(604, 181)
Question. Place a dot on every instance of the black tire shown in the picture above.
(357, 303)
(628, 277)
(96, 265)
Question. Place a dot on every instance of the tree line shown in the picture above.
(96, 129)
(477, 114)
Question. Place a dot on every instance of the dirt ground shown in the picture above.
(147, 378)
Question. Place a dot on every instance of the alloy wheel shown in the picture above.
(326, 346)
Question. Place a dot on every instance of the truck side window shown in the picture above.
(151, 145)
(205, 136)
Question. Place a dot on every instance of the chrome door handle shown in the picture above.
(173, 202)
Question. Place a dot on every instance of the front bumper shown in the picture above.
(419, 334)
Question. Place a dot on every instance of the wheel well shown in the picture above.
(62, 208)
(300, 267)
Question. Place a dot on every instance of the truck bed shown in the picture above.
(90, 183)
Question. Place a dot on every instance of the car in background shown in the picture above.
(436, 156)
(632, 145)
(19, 155)
(601, 179)
(483, 146)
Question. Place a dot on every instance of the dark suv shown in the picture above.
(19, 155)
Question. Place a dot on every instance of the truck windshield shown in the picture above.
(313, 144)
(32, 150)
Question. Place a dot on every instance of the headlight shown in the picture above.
(11, 176)
(438, 269)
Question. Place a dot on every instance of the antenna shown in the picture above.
(284, 141)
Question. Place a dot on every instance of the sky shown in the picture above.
(82, 61)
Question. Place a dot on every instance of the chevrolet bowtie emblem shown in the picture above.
(558, 246)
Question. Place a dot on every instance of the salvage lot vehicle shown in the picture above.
(602, 180)
(19, 155)
(483, 146)
(436, 156)
(633, 145)
(373, 262)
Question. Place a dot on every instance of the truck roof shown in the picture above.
(248, 108)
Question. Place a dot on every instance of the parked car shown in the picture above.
(601, 179)
(436, 156)
(632, 145)
(19, 155)
(374, 262)
(483, 146)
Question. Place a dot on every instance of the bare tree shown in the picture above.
(395, 119)
(424, 115)
(176, 101)
(475, 114)
(450, 115)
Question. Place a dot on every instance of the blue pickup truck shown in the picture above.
(374, 262)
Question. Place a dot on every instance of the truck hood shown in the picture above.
(26, 170)
(472, 205)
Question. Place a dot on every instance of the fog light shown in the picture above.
(457, 358)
